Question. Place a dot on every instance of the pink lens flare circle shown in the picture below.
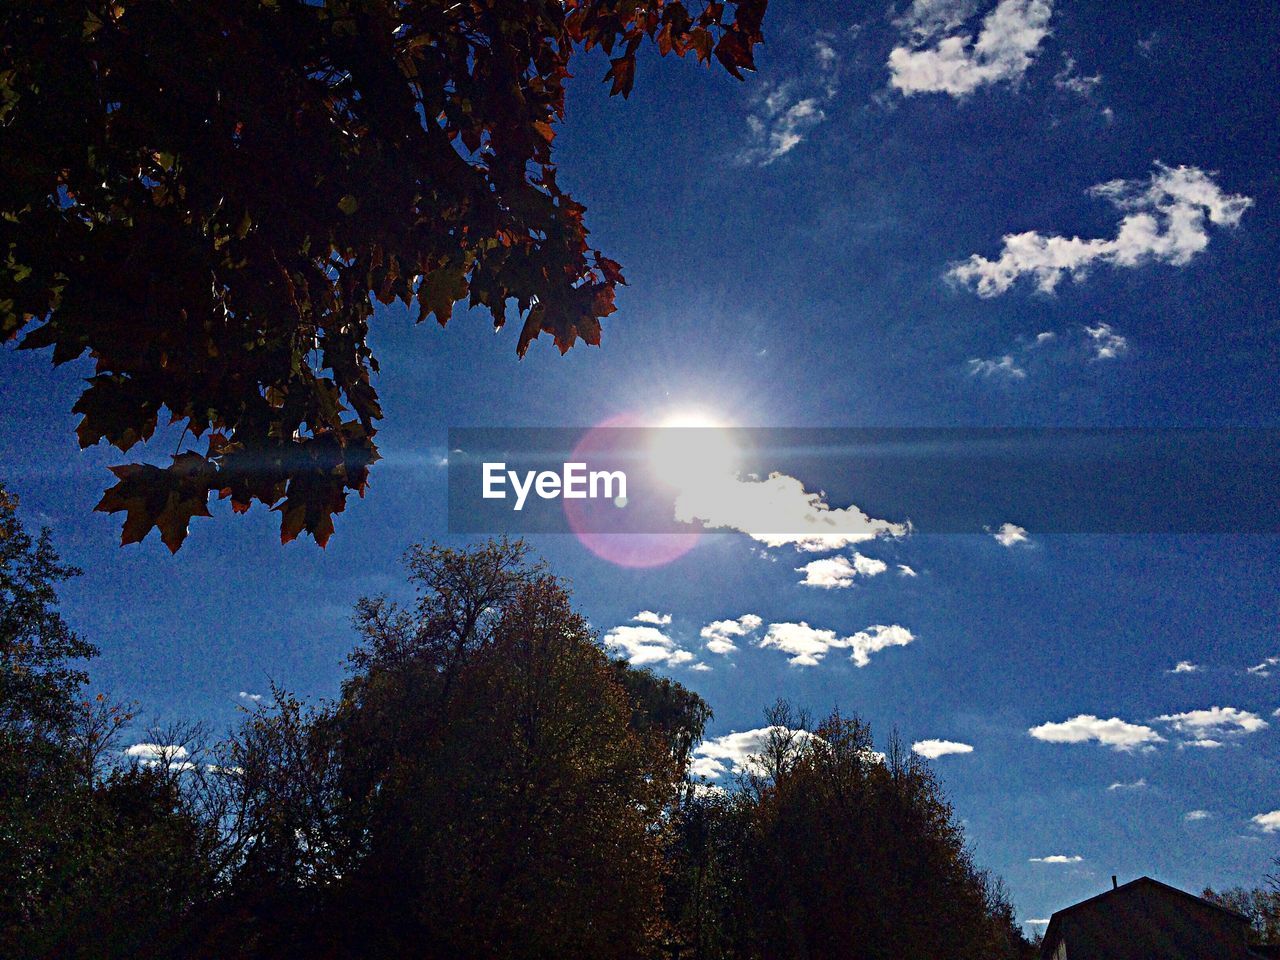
(590, 520)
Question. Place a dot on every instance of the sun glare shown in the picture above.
(690, 448)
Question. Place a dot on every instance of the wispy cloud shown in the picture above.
(1070, 80)
(1000, 367)
(1193, 815)
(720, 634)
(940, 54)
(1264, 668)
(933, 749)
(807, 646)
(1058, 858)
(1085, 727)
(1165, 220)
(836, 572)
(1185, 666)
(784, 113)
(905, 571)
(1139, 784)
(1029, 354)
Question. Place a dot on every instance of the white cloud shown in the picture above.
(1185, 666)
(170, 755)
(1057, 858)
(1194, 815)
(1069, 80)
(735, 752)
(1010, 534)
(251, 697)
(840, 571)
(1085, 727)
(646, 646)
(1207, 728)
(1138, 784)
(1004, 366)
(1264, 668)
(905, 571)
(939, 57)
(1206, 744)
(939, 748)
(1267, 822)
(720, 634)
(1164, 221)
(807, 646)
(648, 616)
(1107, 344)
(1037, 922)
(784, 113)
(778, 511)
(701, 667)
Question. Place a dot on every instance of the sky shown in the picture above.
(942, 214)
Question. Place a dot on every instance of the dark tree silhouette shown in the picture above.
(207, 198)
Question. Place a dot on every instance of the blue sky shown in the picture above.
(791, 245)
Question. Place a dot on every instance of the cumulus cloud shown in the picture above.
(1058, 858)
(939, 54)
(648, 616)
(170, 755)
(1004, 366)
(251, 697)
(785, 112)
(807, 646)
(905, 571)
(778, 511)
(1139, 784)
(738, 752)
(840, 571)
(1185, 666)
(1208, 728)
(1267, 822)
(933, 749)
(720, 634)
(1010, 534)
(1193, 815)
(1107, 344)
(1085, 727)
(646, 645)
(1166, 220)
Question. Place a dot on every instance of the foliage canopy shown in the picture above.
(207, 198)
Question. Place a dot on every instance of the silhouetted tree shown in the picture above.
(1260, 904)
(829, 849)
(489, 784)
(98, 858)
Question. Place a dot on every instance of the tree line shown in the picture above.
(488, 783)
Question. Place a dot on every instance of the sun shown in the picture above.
(691, 447)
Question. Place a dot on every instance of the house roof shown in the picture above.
(1146, 918)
